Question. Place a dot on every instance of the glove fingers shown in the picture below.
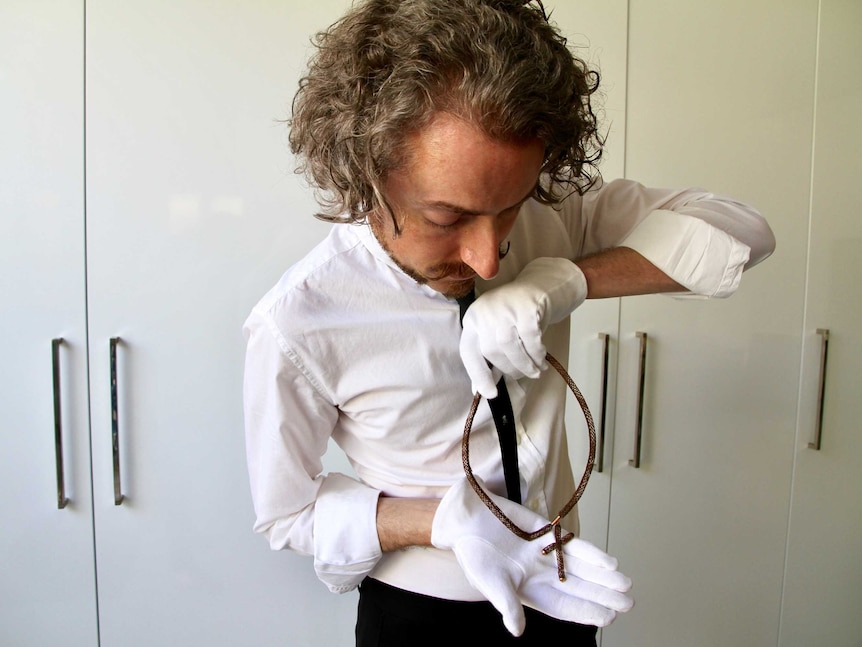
(575, 610)
(481, 375)
(535, 350)
(608, 578)
(516, 355)
(594, 608)
(507, 602)
(596, 594)
(493, 580)
(587, 552)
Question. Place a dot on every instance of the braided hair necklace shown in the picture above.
(553, 526)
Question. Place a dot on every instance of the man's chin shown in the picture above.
(454, 289)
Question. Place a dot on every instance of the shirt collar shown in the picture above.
(369, 241)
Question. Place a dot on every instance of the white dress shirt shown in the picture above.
(346, 346)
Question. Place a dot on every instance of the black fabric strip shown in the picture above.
(504, 420)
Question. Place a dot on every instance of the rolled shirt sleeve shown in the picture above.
(704, 260)
(701, 240)
(288, 424)
(346, 545)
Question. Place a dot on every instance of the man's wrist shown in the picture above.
(403, 522)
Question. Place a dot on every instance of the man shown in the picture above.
(453, 140)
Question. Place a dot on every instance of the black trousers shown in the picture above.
(392, 617)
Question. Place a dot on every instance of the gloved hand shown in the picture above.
(504, 326)
(511, 572)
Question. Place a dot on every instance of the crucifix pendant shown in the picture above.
(557, 546)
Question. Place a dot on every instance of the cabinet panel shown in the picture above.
(47, 586)
(193, 213)
(719, 95)
(823, 585)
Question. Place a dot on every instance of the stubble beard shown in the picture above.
(453, 289)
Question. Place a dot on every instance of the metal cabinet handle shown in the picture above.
(821, 389)
(62, 501)
(115, 423)
(636, 461)
(600, 459)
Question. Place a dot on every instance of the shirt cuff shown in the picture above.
(698, 256)
(346, 546)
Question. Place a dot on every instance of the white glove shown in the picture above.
(504, 326)
(511, 572)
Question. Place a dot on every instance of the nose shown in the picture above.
(480, 246)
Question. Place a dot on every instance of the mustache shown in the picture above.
(440, 272)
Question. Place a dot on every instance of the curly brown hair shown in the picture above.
(387, 66)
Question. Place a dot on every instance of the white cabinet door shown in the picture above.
(47, 578)
(193, 213)
(719, 95)
(823, 586)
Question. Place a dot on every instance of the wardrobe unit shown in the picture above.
(823, 579)
(47, 577)
(148, 202)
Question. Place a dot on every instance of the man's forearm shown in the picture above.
(404, 522)
(621, 272)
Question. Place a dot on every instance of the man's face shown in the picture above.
(456, 199)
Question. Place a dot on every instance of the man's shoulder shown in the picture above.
(338, 259)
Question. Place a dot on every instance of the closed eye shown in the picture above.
(447, 219)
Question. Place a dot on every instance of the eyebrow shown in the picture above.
(454, 208)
